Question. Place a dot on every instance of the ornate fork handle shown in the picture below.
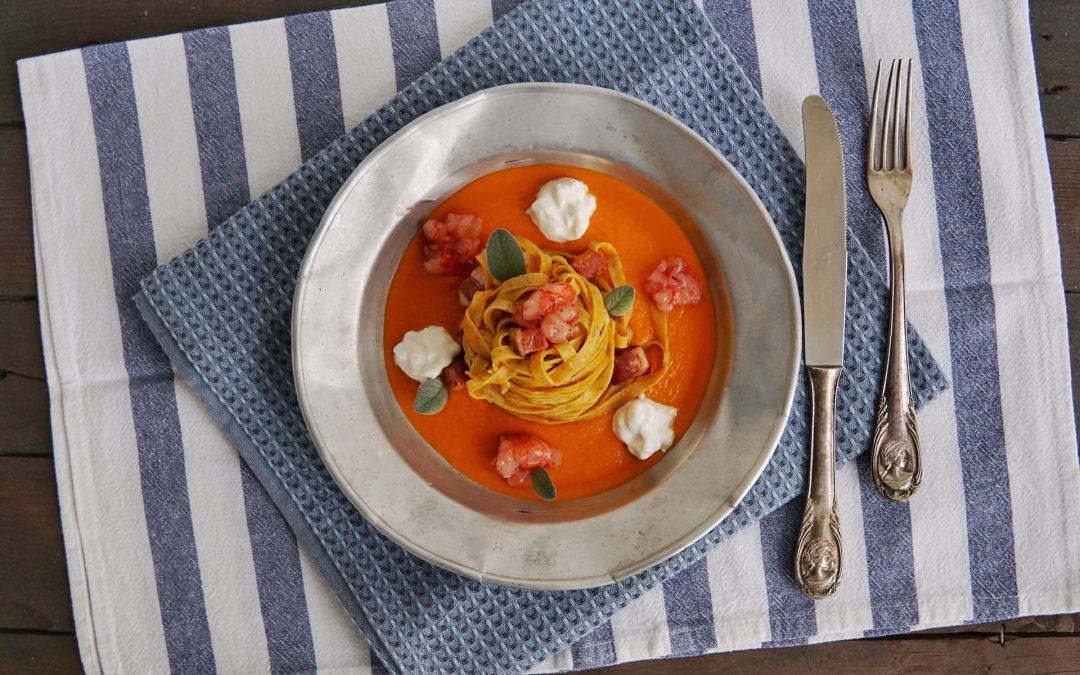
(896, 453)
(819, 553)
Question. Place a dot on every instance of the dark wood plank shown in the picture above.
(24, 417)
(914, 654)
(39, 654)
(1061, 623)
(33, 575)
(16, 239)
(1055, 36)
(1064, 155)
(24, 402)
(20, 339)
(1055, 623)
(31, 28)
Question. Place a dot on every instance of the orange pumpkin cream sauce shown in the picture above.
(466, 432)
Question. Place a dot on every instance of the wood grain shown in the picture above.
(16, 235)
(58, 654)
(911, 654)
(1028, 625)
(24, 403)
(20, 339)
(1061, 623)
(22, 654)
(33, 575)
(24, 417)
(1064, 155)
(1055, 36)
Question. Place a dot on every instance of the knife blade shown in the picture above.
(825, 237)
(819, 554)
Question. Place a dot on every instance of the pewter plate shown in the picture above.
(399, 482)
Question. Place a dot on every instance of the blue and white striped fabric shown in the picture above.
(179, 562)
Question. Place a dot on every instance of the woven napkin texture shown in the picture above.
(222, 311)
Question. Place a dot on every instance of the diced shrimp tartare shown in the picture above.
(451, 245)
(551, 309)
(519, 454)
(673, 283)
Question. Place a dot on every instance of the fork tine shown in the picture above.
(874, 145)
(907, 119)
(888, 156)
(897, 121)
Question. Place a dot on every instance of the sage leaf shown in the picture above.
(504, 257)
(620, 300)
(542, 485)
(431, 396)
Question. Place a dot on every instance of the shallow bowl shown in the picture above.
(399, 482)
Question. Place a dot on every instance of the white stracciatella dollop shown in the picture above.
(645, 426)
(424, 353)
(562, 209)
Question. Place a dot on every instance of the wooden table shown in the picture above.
(36, 627)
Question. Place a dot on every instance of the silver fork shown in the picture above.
(896, 454)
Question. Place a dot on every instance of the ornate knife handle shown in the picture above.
(819, 557)
(896, 453)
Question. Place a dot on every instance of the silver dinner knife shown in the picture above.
(819, 553)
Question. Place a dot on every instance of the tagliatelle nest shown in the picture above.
(565, 382)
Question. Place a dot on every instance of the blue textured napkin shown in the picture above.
(222, 309)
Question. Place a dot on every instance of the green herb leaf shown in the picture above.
(542, 485)
(431, 396)
(504, 257)
(619, 301)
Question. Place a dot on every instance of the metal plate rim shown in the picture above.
(340, 475)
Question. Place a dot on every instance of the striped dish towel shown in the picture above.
(178, 560)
